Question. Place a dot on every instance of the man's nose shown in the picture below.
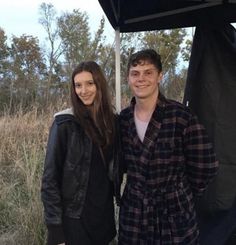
(141, 76)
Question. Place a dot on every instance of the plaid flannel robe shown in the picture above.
(165, 172)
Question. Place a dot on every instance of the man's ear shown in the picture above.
(160, 77)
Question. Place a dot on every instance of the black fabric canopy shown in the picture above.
(146, 15)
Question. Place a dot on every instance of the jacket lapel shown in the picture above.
(154, 125)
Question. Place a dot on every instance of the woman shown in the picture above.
(77, 192)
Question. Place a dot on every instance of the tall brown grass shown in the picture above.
(22, 148)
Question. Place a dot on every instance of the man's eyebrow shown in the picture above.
(149, 69)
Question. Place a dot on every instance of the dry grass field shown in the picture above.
(22, 147)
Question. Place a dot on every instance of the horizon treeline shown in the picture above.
(38, 75)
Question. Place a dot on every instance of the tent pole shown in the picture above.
(117, 64)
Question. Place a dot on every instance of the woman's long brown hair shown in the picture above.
(97, 119)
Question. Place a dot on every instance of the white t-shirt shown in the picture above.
(141, 127)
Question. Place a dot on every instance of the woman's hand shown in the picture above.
(61, 244)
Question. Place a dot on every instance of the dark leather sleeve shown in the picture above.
(52, 175)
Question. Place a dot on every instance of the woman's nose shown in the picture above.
(83, 89)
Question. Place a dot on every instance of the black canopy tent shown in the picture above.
(211, 81)
(144, 15)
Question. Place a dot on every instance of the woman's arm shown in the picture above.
(51, 183)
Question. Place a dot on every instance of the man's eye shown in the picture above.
(148, 73)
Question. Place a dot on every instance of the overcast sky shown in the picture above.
(19, 17)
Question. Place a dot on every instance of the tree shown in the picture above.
(107, 62)
(48, 19)
(175, 89)
(97, 43)
(27, 68)
(4, 53)
(75, 36)
(4, 70)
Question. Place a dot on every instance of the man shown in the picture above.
(169, 161)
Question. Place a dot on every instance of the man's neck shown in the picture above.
(144, 108)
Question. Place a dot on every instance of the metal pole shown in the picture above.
(117, 64)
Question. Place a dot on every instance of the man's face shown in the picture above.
(144, 80)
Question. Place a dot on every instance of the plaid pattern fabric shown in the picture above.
(173, 164)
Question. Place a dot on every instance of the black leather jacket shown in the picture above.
(66, 170)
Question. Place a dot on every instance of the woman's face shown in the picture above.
(85, 87)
